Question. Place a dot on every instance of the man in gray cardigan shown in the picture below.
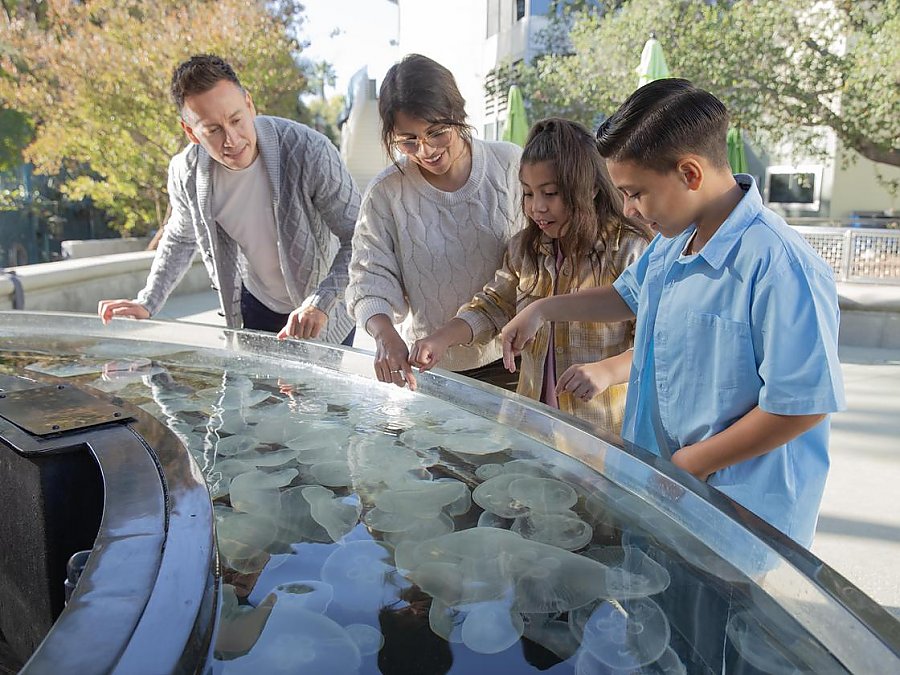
(267, 202)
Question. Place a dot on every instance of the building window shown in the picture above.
(794, 187)
(493, 17)
(520, 10)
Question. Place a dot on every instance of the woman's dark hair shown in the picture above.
(594, 205)
(199, 74)
(422, 88)
(663, 121)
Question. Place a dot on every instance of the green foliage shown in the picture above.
(94, 79)
(784, 68)
(324, 116)
(15, 134)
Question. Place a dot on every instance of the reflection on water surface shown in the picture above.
(364, 528)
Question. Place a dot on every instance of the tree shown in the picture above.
(93, 78)
(784, 68)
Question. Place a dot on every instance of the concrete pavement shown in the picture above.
(859, 527)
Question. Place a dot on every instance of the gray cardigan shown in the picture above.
(315, 202)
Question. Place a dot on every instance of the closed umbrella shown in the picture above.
(515, 130)
(653, 62)
(736, 156)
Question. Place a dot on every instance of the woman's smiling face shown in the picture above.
(435, 160)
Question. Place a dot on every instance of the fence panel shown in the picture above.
(857, 254)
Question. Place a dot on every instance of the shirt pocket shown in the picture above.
(720, 351)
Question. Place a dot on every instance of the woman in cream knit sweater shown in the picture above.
(432, 227)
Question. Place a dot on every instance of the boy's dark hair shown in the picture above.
(663, 121)
(199, 74)
(420, 87)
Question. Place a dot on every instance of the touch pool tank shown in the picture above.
(362, 528)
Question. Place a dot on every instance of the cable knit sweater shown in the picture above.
(419, 253)
(315, 203)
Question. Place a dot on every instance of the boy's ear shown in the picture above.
(691, 173)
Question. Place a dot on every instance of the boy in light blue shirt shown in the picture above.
(735, 366)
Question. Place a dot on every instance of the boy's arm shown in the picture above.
(754, 434)
(594, 304)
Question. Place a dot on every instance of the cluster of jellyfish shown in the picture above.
(333, 497)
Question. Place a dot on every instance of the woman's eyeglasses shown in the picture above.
(436, 139)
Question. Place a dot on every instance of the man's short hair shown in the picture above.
(199, 74)
(664, 121)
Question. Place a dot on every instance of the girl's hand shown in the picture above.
(586, 380)
(519, 332)
(427, 352)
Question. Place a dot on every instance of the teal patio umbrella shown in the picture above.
(736, 156)
(653, 62)
(515, 129)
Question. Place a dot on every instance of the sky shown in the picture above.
(366, 29)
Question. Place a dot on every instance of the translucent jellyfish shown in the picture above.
(295, 521)
(486, 471)
(368, 639)
(493, 495)
(445, 621)
(667, 664)
(335, 515)
(423, 439)
(332, 474)
(233, 397)
(460, 505)
(308, 594)
(264, 456)
(458, 585)
(377, 462)
(556, 529)
(257, 491)
(317, 450)
(627, 634)
(234, 445)
(387, 521)
(490, 628)
(760, 648)
(632, 573)
(242, 540)
(543, 495)
(360, 573)
(421, 530)
(296, 640)
(276, 425)
(491, 561)
(425, 498)
(552, 635)
(488, 519)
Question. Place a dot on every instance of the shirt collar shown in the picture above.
(729, 233)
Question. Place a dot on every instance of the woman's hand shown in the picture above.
(391, 353)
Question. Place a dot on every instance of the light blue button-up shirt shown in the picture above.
(750, 320)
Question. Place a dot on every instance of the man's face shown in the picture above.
(663, 201)
(221, 121)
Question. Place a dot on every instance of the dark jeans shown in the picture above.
(495, 374)
(259, 317)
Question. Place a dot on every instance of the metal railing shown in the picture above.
(857, 254)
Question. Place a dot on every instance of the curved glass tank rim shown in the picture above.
(860, 634)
